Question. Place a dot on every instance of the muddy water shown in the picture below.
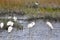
(40, 31)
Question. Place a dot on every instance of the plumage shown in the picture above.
(1, 25)
(31, 24)
(10, 28)
(10, 23)
(49, 24)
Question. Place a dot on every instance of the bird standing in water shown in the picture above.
(30, 25)
(50, 31)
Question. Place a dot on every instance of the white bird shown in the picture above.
(49, 24)
(10, 28)
(36, 3)
(15, 18)
(10, 23)
(1, 25)
(31, 25)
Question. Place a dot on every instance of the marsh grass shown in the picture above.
(22, 5)
(39, 12)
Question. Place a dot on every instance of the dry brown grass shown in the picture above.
(15, 3)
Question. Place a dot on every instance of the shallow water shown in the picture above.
(40, 31)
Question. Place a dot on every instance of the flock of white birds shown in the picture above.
(9, 24)
(30, 25)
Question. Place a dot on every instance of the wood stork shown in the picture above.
(31, 25)
(1, 25)
(49, 24)
(50, 31)
(10, 28)
(15, 18)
